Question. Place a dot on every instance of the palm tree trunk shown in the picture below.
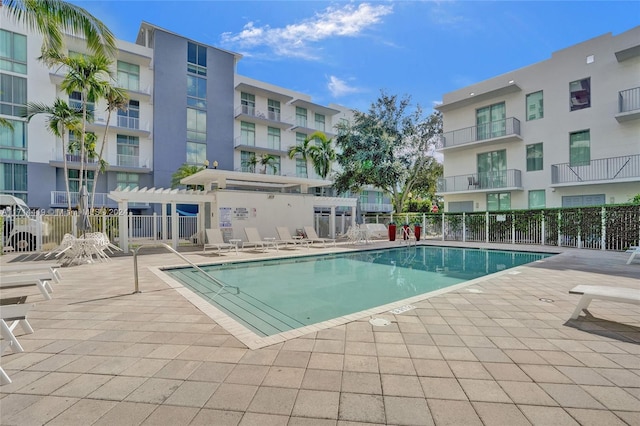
(66, 174)
(97, 175)
(84, 132)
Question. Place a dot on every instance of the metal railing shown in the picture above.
(511, 178)
(376, 207)
(59, 198)
(629, 100)
(193, 265)
(624, 167)
(495, 129)
(128, 160)
(129, 122)
(254, 112)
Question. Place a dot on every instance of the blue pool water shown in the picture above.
(283, 294)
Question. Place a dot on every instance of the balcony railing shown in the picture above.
(253, 112)
(495, 129)
(59, 198)
(129, 161)
(73, 158)
(129, 122)
(613, 168)
(376, 207)
(485, 182)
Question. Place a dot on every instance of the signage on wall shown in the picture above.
(241, 213)
(225, 217)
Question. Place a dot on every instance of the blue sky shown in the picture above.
(345, 52)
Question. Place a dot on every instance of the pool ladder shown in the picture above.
(193, 265)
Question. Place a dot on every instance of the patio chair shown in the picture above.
(634, 252)
(65, 244)
(52, 268)
(286, 238)
(40, 280)
(216, 240)
(312, 236)
(614, 294)
(254, 240)
(12, 315)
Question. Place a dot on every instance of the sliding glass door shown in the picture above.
(491, 121)
(492, 169)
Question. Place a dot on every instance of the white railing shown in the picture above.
(59, 198)
(129, 160)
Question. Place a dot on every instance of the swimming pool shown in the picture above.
(279, 295)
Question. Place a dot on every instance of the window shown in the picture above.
(13, 52)
(320, 122)
(74, 148)
(537, 199)
(196, 59)
(499, 201)
(196, 153)
(274, 109)
(583, 200)
(128, 151)
(460, 206)
(13, 179)
(301, 168)
(301, 117)
(75, 101)
(247, 161)
(300, 137)
(196, 125)
(580, 94)
(379, 197)
(491, 121)
(129, 76)
(130, 118)
(579, 148)
(196, 91)
(74, 180)
(248, 102)
(13, 142)
(492, 169)
(273, 138)
(534, 157)
(247, 133)
(127, 180)
(13, 95)
(535, 105)
(274, 168)
(364, 197)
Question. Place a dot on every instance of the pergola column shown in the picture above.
(123, 225)
(175, 226)
(332, 222)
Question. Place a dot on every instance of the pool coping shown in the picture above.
(255, 341)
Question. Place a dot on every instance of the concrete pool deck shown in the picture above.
(499, 352)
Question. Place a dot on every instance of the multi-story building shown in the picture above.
(187, 105)
(561, 132)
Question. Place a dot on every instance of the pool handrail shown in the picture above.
(171, 249)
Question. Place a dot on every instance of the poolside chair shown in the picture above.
(215, 240)
(40, 280)
(312, 236)
(11, 316)
(286, 238)
(634, 252)
(254, 240)
(52, 268)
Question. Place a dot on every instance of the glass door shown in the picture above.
(491, 121)
(492, 169)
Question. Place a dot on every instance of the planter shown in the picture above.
(416, 231)
(405, 232)
(392, 232)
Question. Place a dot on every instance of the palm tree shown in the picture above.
(184, 171)
(62, 118)
(317, 148)
(6, 123)
(251, 163)
(89, 75)
(52, 18)
(116, 99)
(267, 160)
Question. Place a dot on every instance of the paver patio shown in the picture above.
(504, 353)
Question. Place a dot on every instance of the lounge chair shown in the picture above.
(286, 238)
(52, 268)
(312, 236)
(215, 240)
(10, 317)
(254, 240)
(634, 252)
(40, 280)
(615, 294)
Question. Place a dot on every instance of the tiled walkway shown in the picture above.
(500, 354)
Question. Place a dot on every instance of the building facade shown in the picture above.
(187, 105)
(563, 132)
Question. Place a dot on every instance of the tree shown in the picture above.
(6, 123)
(319, 150)
(265, 160)
(388, 147)
(184, 171)
(116, 99)
(61, 120)
(53, 18)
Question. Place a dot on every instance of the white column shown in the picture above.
(353, 216)
(175, 226)
(332, 222)
(123, 226)
(165, 233)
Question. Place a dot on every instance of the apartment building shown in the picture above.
(187, 105)
(561, 132)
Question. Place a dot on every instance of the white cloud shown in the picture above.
(339, 87)
(294, 40)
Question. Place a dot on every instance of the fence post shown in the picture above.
(603, 236)
(464, 227)
(542, 229)
(38, 231)
(513, 228)
(155, 226)
(377, 218)
(486, 227)
(104, 221)
(130, 226)
(74, 224)
(559, 226)
(442, 226)
(424, 223)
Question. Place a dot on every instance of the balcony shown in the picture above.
(506, 180)
(605, 170)
(243, 145)
(500, 131)
(73, 160)
(131, 126)
(59, 199)
(269, 118)
(376, 207)
(628, 105)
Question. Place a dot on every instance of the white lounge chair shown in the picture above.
(634, 252)
(52, 268)
(10, 317)
(216, 240)
(286, 237)
(615, 294)
(254, 240)
(377, 230)
(312, 236)
(40, 280)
